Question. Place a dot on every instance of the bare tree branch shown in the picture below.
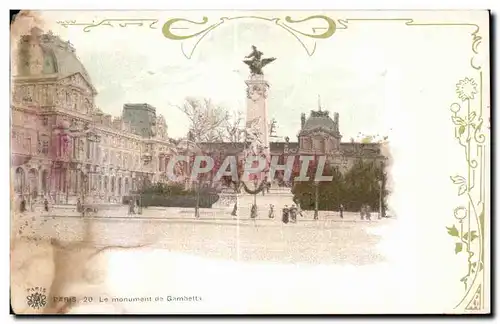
(209, 122)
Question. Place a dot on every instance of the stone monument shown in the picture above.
(257, 122)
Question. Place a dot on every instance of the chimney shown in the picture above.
(302, 120)
(336, 121)
(117, 123)
(107, 120)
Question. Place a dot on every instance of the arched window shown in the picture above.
(45, 181)
(33, 182)
(88, 148)
(20, 180)
(119, 186)
(126, 186)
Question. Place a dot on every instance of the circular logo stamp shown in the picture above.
(36, 298)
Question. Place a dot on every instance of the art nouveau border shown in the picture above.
(467, 115)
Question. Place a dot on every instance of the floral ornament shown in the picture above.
(468, 237)
(36, 300)
(466, 89)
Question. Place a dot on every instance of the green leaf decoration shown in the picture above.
(462, 189)
(457, 120)
(473, 235)
(453, 231)
(472, 115)
(480, 266)
(458, 179)
(481, 220)
(480, 124)
(458, 248)
(461, 130)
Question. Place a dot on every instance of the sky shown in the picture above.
(136, 64)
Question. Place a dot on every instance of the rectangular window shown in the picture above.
(89, 146)
(74, 147)
(45, 146)
(27, 145)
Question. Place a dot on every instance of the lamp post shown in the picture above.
(255, 194)
(197, 207)
(83, 185)
(316, 200)
(67, 188)
(30, 194)
(380, 199)
(381, 191)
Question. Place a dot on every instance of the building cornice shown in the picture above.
(36, 78)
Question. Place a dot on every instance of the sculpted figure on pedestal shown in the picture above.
(255, 61)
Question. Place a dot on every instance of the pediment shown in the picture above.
(77, 80)
(317, 132)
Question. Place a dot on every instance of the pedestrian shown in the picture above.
(253, 211)
(131, 207)
(299, 210)
(341, 209)
(46, 205)
(22, 206)
(286, 214)
(271, 211)
(362, 212)
(139, 206)
(368, 213)
(234, 213)
(293, 214)
(79, 205)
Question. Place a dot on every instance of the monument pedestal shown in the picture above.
(257, 114)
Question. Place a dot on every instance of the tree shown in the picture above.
(206, 120)
(232, 129)
(330, 192)
(359, 185)
(207, 123)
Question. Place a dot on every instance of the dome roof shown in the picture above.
(319, 119)
(58, 56)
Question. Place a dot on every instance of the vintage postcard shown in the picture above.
(250, 162)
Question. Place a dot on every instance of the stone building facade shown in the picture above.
(65, 148)
(320, 135)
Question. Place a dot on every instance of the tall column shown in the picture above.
(78, 185)
(67, 181)
(40, 181)
(257, 111)
(74, 182)
(161, 166)
(91, 181)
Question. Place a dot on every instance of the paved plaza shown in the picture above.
(216, 234)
